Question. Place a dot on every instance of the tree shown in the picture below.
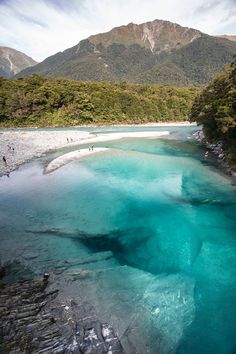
(215, 109)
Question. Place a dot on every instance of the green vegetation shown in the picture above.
(41, 102)
(215, 109)
(194, 64)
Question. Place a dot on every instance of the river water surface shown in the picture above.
(158, 222)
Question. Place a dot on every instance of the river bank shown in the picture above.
(20, 146)
(218, 152)
(158, 124)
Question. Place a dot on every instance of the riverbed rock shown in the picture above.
(34, 320)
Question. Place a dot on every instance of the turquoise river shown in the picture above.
(149, 227)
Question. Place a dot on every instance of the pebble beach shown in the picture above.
(21, 146)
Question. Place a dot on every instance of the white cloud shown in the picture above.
(43, 27)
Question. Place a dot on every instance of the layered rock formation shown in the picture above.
(33, 320)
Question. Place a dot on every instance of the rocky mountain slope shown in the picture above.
(12, 61)
(157, 51)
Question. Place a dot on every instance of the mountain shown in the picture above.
(12, 61)
(153, 52)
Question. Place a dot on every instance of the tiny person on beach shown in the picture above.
(4, 160)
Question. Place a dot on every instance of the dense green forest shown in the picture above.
(41, 102)
(215, 109)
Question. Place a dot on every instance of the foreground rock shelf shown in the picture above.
(33, 320)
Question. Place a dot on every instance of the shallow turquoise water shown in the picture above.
(167, 216)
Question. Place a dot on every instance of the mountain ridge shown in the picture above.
(147, 34)
(153, 52)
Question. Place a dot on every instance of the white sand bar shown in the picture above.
(71, 156)
(34, 143)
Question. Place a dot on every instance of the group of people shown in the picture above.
(69, 140)
(91, 148)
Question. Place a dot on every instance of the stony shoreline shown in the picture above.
(21, 146)
(151, 124)
(217, 150)
(32, 144)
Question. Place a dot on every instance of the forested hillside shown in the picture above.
(154, 52)
(215, 108)
(38, 101)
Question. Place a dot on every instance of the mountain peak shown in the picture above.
(13, 61)
(157, 35)
(153, 52)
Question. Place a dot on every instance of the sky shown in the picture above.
(41, 28)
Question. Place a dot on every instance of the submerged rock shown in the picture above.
(33, 320)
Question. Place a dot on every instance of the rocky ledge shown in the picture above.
(33, 320)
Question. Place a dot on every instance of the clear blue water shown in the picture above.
(167, 217)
